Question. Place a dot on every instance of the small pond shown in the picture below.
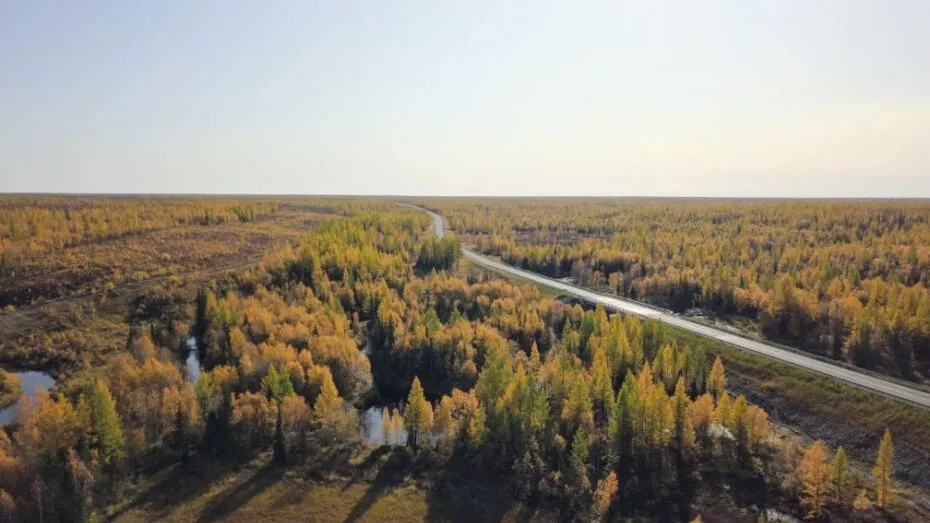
(193, 360)
(774, 516)
(372, 421)
(370, 418)
(32, 381)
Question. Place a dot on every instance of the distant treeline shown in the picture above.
(30, 225)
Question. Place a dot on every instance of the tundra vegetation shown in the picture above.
(488, 391)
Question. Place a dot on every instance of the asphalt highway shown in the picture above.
(875, 383)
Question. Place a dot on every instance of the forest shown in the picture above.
(572, 413)
(844, 279)
(29, 225)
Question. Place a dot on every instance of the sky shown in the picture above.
(827, 98)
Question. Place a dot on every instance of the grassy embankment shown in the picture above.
(821, 395)
(544, 291)
(817, 407)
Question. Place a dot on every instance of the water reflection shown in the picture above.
(32, 381)
(372, 419)
(377, 433)
(775, 516)
(193, 360)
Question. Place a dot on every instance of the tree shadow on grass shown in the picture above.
(458, 496)
(363, 469)
(173, 487)
(390, 475)
(238, 495)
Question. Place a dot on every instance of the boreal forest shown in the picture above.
(330, 359)
(844, 279)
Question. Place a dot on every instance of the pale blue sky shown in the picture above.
(741, 98)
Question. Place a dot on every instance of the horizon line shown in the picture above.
(451, 196)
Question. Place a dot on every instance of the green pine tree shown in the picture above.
(105, 423)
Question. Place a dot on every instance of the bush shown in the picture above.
(10, 388)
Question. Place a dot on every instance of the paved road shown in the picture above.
(867, 381)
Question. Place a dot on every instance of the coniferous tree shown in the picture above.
(105, 423)
(604, 493)
(723, 412)
(328, 404)
(443, 423)
(603, 393)
(702, 415)
(839, 474)
(277, 385)
(717, 380)
(815, 478)
(579, 458)
(684, 430)
(739, 425)
(418, 416)
(622, 419)
(883, 470)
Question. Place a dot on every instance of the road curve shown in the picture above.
(877, 384)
